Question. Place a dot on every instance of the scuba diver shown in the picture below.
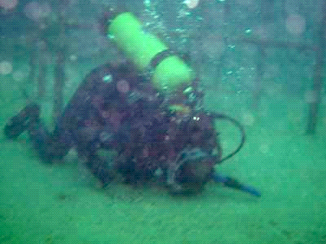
(154, 139)
(156, 136)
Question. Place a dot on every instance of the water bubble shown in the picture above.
(106, 137)
(19, 75)
(310, 96)
(248, 31)
(295, 24)
(147, 3)
(123, 86)
(107, 78)
(291, 6)
(214, 46)
(37, 11)
(245, 2)
(191, 3)
(5, 68)
(272, 71)
(73, 57)
(264, 148)
(262, 31)
(248, 119)
(8, 4)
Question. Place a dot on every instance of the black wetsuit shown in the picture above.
(114, 108)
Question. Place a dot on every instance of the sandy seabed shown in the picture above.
(62, 203)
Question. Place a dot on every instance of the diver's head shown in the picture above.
(192, 169)
(196, 144)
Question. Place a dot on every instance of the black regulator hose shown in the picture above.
(218, 116)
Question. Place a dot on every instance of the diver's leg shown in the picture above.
(99, 168)
(88, 141)
(20, 122)
(47, 145)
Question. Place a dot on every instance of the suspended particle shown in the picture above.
(295, 24)
(8, 4)
(191, 3)
(5, 67)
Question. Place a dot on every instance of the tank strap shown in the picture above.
(156, 60)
